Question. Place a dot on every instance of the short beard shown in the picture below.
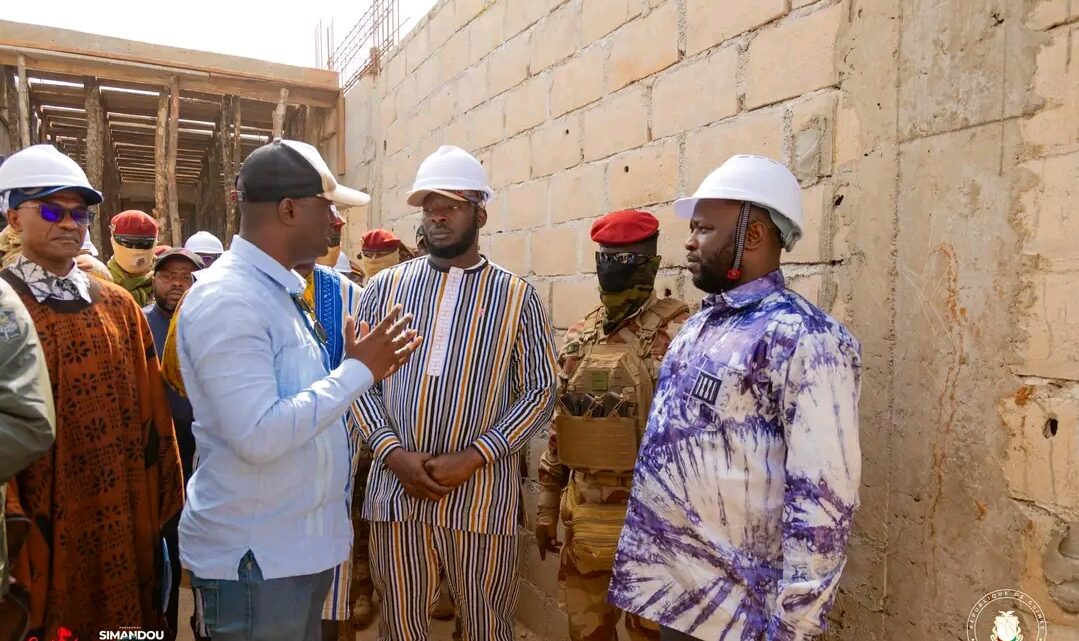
(467, 242)
(712, 271)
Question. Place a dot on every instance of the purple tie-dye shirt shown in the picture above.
(748, 475)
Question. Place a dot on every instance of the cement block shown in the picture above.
(578, 82)
(554, 39)
(466, 10)
(416, 50)
(471, 89)
(1056, 82)
(485, 32)
(509, 64)
(806, 44)
(578, 193)
(573, 300)
(958, 82)
(813, 131)
(1036, 456)
(554, 251)
(526, 205)
(509, 250)
(756, 132)
(715, 22)
(510, 162)
(600, 17)
(556, 146)
(630, 61)
(695, 94)
(485, 124)
(644, 176)
(453, 57)
(521, 14)
(526, 106)
(532, 608)
(1051, 349)
(618, 123)
(816, 207)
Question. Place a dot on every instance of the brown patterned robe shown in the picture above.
(99, 498)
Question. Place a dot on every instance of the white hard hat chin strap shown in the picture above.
(735, 271)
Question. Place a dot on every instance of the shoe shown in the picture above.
(363, 614)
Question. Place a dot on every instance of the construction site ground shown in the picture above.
(441, 630)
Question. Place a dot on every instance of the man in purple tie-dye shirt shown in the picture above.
(747, 478)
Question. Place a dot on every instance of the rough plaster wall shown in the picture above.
(938, 145)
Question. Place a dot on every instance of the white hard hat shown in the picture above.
(758, 180)
(203, 242)
(88, 245)
(343, 265)
(41, 170)
(448, 170)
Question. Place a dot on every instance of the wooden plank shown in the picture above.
(24, 104)
(228, 109)
(74, 42)
(279, 114)
(160, 172)
(170, 162)
(95, 151)
(65, 64)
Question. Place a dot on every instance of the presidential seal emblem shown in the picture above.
(1006, 615)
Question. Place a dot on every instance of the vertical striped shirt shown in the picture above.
(484, 377)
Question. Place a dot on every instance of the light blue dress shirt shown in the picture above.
(273, 448)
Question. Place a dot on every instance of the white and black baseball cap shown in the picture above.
(291, 169)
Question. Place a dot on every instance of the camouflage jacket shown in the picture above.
(553, 476)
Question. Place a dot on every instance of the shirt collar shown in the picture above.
(260, 260)
(44, 284)
(749, 293)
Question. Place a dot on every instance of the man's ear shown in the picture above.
(286, 211)
(481, 216)
(756, 234)
(14, 219)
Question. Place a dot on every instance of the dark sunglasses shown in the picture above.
(630, 259)
(135, 242)
(55, 213)
(309, 316)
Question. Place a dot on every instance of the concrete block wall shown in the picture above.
(938, 147)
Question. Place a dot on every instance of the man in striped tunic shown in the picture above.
(446, 429)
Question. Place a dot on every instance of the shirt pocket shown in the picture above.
(710, 396)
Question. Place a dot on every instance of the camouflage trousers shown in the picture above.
(591, 618)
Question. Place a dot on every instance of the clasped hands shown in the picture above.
(425, 476)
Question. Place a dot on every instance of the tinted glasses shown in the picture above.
(630, 259)
(136, 242)
(55, 213)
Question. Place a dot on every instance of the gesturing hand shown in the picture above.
(409, 469)
(384, 348)
(454, 469)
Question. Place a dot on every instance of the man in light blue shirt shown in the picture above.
(266, 519)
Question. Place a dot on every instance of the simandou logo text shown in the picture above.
(132, 635)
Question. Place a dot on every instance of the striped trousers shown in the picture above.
(481, 570)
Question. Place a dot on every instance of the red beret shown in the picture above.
(134, 223)
(380, 240)
(624, 227)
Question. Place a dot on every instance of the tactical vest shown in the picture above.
(599, 442)
(603, 408)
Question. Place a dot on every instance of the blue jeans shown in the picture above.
(256, 609)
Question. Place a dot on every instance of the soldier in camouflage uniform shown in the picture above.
(607, 371)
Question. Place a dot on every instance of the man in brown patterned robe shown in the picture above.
(98, 500)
